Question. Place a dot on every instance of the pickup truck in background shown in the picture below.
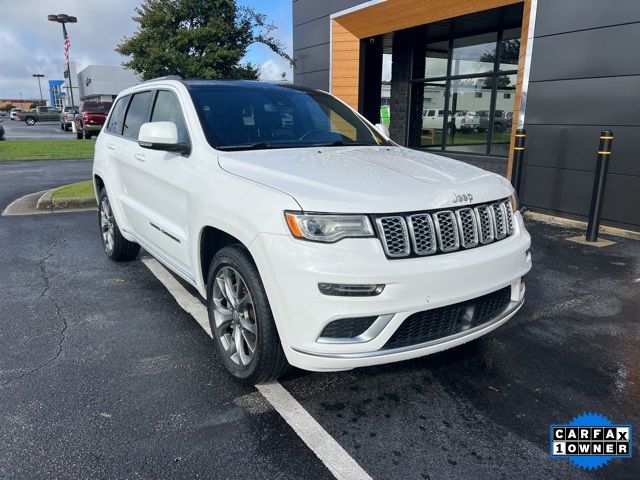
(501, 121)
(465, 120)
(90, 118)
(66, 117)
(40, 114)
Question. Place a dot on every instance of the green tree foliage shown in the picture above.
(196, 39)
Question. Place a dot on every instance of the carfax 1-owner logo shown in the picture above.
(590, 441)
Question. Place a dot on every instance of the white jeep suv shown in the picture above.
(316, 241)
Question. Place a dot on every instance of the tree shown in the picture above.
(8, 107)
(509, 54)
(197, 39)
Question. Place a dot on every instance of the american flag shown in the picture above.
(67, 46)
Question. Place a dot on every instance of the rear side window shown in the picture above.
(137, 114)
(116, 120)
(167, 109)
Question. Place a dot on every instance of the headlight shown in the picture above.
(328, 228)
(515, 202)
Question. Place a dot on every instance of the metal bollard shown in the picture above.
(518, 157)
(604, 153)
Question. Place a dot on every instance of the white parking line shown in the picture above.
(335, 458)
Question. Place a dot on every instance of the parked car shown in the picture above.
(40, 114)
(90, 118)
(15, 113)
(1, 130)
(66, 117)
(500, 121)
(316, 241)
(465, 121)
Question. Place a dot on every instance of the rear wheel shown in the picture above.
(242, 324)
(115, 246)
(30, 121)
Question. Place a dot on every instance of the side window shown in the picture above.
(167, 109)
(117, 116)
(136, 114)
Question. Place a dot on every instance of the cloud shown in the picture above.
(272, 70)
(31, 44)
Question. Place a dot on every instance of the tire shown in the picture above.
(498, 127)
(115, 246)
(267, 361)
(79, 134)
(87, 135)
(30, 121)
(62, 127)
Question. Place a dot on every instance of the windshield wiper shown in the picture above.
(341, 143)
(248, 146)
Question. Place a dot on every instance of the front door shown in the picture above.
(157, 185)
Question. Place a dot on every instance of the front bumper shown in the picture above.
(294, 268)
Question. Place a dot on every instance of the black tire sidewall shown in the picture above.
(267, 340)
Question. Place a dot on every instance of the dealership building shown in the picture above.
(457, 77)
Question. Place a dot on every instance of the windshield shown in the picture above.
(253, 118)
(96, 106)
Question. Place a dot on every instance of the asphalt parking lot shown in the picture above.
(18, 130)
(104, 375)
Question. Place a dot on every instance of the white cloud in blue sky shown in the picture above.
(30, 44)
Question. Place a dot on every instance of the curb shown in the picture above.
(45, 202)
(567, 222)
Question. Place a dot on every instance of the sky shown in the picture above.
(30, 44)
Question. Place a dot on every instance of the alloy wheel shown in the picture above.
(235, 316)
(107, 225)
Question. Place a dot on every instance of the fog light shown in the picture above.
(339, 290)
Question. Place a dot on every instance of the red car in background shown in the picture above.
(91, 118)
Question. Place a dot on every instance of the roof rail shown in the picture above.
(167, 77)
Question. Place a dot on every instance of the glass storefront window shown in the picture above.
(433, 114)
(474, 54)
(510, 49)
(468, 98)
(503, 118)
(436, 60)
(477, 116)
(385, 92)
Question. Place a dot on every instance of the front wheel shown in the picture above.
(87, 135)
(30, 121)
(242, 324)
(79, 134)
(115, 246)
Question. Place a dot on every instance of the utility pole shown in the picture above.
(39, 76)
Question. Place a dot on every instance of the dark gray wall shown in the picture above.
(311, 43)
(585, 77)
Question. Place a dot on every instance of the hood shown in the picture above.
(366, 179)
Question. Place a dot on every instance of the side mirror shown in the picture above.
(161, 136)
(383, 129)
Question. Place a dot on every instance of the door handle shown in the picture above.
(140, 156)
(111, 146)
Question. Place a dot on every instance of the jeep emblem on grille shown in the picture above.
(465, 197)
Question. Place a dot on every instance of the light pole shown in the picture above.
(39, 76)
(64, 19)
